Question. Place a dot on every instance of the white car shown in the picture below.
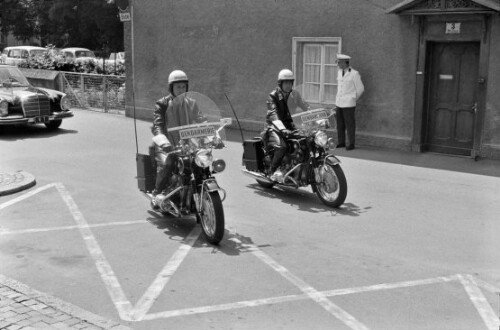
(15, 54)
(118, 58)
(78, 54)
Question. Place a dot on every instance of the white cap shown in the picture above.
(343, 57)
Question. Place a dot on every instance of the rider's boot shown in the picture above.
(154, 200)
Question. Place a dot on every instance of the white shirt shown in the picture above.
(349, 88)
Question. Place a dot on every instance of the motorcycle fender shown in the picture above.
(211, 185)
(332, 160)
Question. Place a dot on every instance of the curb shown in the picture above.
(13, 182)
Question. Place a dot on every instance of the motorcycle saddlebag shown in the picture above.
(252, 154)
(145, 172)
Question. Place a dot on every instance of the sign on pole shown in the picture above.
(123, 7)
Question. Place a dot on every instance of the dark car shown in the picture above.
(22, 103)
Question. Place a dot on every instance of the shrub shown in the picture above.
(53, 61)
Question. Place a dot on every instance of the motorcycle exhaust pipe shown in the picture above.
(256, 175)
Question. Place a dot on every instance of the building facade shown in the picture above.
(428, 66)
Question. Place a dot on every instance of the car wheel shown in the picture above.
(54, 124)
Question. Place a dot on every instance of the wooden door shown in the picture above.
(452, 97)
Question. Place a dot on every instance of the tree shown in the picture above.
(19, 18)
(93, 24)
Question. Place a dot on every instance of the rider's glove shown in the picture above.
(167, 148)
(218, 143)
(286, 132)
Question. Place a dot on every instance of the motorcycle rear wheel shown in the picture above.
(211, 217)
(331, 189)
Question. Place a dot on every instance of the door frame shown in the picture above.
(475, 28)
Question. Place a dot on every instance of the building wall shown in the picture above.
(238, 47)
(491, 128)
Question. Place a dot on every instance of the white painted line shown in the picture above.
(483, 307)
(312, 293)
(487, 286)
(40, 230)
(225, 307)
(26, 195)
(161, 280)
(387, 286)
(111, 283)
(290, 298)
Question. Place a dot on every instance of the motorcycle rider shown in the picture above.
(280, 103)
(171, 111)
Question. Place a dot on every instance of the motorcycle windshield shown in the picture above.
(196, 120)
(307, 114)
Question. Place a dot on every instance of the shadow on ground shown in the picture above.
(14, 133)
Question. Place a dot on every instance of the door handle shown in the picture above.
(474, 107)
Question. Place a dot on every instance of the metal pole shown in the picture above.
(132, 5)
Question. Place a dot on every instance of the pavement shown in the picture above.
(22, 307)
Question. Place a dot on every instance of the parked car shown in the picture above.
(78, 54)
(22, 103)
(15, 54)
(118, 58)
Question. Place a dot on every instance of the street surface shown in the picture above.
(415, 246)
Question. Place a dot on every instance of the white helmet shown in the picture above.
(285, 74)
(176, 76)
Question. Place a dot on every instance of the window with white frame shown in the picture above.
(316, 68)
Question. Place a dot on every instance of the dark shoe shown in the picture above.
(350, 147)
(341, 145)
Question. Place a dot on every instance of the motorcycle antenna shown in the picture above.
(235, 116)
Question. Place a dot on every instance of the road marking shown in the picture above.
(290, 298)
(480, 302)
(39, 230)
(26, 195)
(311, 292)
(118, 297)
(139, 312)
(161, 280)
(487, 286)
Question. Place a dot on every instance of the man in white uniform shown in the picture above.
(349, 91)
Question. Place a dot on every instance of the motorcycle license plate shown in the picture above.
(42, 119)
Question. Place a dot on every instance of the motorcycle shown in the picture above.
(308, 161)
(193, 189)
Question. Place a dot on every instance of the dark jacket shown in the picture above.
(170, 112)
(280, 105)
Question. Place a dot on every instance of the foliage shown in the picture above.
(92, 24)
(52, 60)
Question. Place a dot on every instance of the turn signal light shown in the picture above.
(219, 165)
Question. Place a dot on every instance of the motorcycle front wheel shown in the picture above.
(330, 185)
(211, 217)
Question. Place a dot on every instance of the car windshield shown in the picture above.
(84, 53)
(14, 76)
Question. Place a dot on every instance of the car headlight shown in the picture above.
(65, 103)
(203, 158)
(4, 108)
(321, 138)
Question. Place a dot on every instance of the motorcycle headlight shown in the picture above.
(203, 158)
(65, 103)
(4, 108)
(321, 138)
(219, 165)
